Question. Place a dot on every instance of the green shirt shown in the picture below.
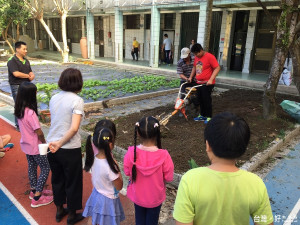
(210, 197)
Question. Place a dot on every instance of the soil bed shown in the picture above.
(184, 139)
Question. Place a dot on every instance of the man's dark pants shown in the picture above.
(14, 91)
(136, 52)
(167, 56)
(204, 100)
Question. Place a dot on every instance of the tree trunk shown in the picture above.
(4, 35)
(269, 104)
(65, 53)
(295, 53)
(51, 35)
(18, 32)
(284, 38)
(209, 12)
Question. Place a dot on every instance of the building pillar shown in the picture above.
(222, 37)
(177, 39)
(142, 37)
(82, 27)
(35, 34)
(249, 41)
(90, 34)
(201, 23)
(154, 42)
(118, 35)
(50, 41)
(228, 27)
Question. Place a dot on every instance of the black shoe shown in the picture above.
(72, 220)
(60, 216)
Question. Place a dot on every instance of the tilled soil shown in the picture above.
(184, 139)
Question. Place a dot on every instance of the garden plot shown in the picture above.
(99, 83)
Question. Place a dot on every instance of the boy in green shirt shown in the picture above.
(222, 194)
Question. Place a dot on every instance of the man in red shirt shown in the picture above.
(206, 68)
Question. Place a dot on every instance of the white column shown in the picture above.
(118, 35)
(154, 42)
(249, 41)
(142, 36)
(201, 23)
(177, 38)
(228, 28)
(90, 35)
(35, 34)
(82, 27)
(222, 37)
(49, 39)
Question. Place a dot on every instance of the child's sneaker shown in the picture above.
(207, 120)
(9, 145)
(200, 118)
(44, 200)
(44, 192)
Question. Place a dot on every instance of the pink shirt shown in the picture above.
(29, 140)
(154, 168)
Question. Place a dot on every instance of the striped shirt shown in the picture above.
(185, 69)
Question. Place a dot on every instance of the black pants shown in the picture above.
(146, 216)
(66, 167)
(167, 56)
(136, 52)
(204, 100)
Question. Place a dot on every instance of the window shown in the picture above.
(133, 22)
(74, 29)
(169, 21)
(148, 21)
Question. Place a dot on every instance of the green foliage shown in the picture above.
(13, 11)
(95, 89)
(286, 11)
(192, 164)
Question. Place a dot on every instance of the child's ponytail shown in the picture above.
(133, 173)
(89, 160)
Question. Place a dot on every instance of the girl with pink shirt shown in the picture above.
(31, 136)
(149, 168)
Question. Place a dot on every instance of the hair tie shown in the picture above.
(105, 138)
(92, 134)
(156, 125)
(137, 124)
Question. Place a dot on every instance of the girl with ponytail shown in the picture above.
(149, 168)
(103, 205)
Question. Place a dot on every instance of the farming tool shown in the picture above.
(180, 103)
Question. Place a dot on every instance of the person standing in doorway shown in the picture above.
(206, 68)
(19, 70)
(166, 48)
(135, 49)
(192, 43)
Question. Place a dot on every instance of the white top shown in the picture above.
(62, 106)
(102, 178)
(168, 44)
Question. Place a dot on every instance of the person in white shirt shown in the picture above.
(166, 48)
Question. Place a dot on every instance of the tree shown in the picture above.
(37, 11)
(63, 7)
(295, 53)
(12, 12)
(209, 6)
(285, 38)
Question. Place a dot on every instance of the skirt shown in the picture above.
(103, 210)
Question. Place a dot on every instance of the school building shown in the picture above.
(241, 37)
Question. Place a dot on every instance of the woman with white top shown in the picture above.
(65, 160)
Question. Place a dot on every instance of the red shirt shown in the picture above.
(205, 67)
